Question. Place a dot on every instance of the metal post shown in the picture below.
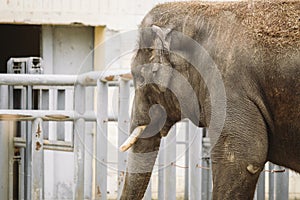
(52, 106)
(28, 170)
(79, 141)
(195, 141)
(187, 160)
(89, 147)
(4, 140)
(123, 129)
(271, 182)
(10, 135)
(10, 132)
(44, 105)
(22, 150)
(51, 160)
(148, 193)
(170, 170)
(260, 188)
(161, 170)
(60, 131)
(37, 173)
(69, 107)
(206, 170)
(101, 141)
(282, 183)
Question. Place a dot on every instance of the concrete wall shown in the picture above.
(66, 50)
(115, 14)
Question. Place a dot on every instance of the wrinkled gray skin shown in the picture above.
(262, 97)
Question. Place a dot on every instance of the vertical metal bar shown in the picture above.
(11, 97)
(61, 106)
(51, 159)
(170, 170)
(161, 170)
(195, 143)
(10, 132)
(21, 175)
(89, 146)
(44, 105)
(123, 129)
(22, 150)
(206, 172)
(4, 140)
(69, 106)
(28, 170)
(10, 147)
(101, 141)
(52, 106)
(148, 193)
(271, 182)
(79, 141)
(37, 170)
(282, 184)
(186, 171)
(260, 189)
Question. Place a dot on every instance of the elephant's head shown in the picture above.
(163, 96)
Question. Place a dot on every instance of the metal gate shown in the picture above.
(36, 126)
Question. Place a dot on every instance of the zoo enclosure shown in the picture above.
(37, 133)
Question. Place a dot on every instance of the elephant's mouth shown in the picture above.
(158, 123)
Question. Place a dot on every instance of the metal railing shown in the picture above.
(30, 143)
(38, 133)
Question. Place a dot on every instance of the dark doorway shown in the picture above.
(18, 41)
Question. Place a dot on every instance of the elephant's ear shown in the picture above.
(162, 41)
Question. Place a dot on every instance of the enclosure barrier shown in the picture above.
(33, 120)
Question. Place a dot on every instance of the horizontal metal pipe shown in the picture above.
(49, 115)
(46, 115)
(48, 145)
(90, 78)
(87, 79)
(37, 79)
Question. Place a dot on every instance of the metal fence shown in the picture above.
(31, 122)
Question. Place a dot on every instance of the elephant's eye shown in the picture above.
(137, 78)
(138, 81)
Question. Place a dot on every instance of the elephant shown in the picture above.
(231, 67)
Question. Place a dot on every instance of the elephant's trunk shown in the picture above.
(141, 160)
(148, 123)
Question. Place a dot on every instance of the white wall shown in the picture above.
(66, 50)
(115, 14)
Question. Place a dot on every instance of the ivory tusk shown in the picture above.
(132, 138)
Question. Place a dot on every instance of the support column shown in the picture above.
(170, 170)
(4, 140)
(195, 154)
(123, 130)
(79, 141)
(37, 162)
(101, 141)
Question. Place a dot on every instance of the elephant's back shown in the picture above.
(273, 25)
